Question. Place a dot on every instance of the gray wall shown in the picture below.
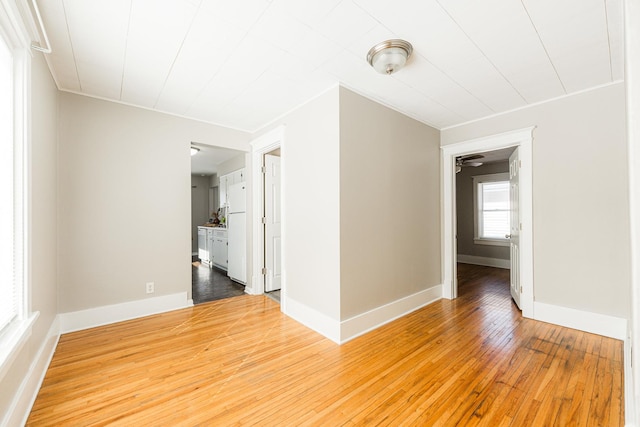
(464, 210)
(199, 206)
(131, 222)
(43, 239)
(580, 197)
(389, 205)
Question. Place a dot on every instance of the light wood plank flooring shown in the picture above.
(472, 361)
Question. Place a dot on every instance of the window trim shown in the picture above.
(480, 179)
(15, 35)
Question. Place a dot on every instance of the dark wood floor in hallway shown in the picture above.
(211, 283)
(471, 361)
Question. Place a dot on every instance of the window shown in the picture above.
(15, 316)
(8, 291)
(492, 212)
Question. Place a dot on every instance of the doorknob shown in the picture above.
(507, 236)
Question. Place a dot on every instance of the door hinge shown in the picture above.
(263, 220)
(521, 291)
(263, 169)
(264, 271)
(520, 164)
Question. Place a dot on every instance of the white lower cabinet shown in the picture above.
(220, 249)
(203, 252)
(212, 247)
(210, 240)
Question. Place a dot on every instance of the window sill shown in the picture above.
(492, 242)
(12, 341)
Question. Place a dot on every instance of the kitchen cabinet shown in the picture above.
(227, 181)
(220, 249)
(210, 247)
(203, 245)
(222, 190)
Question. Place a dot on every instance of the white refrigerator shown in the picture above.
(237, 226)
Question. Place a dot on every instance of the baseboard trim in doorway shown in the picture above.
(485, 261)
(107, 314)
(373, 319)
(595, 323)
(313, 319)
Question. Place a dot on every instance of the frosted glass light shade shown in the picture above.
(389, 56)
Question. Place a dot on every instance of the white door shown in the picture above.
(514, 202)
(272, 229)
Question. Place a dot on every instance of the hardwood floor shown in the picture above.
(472, 361)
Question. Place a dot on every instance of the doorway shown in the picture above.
(522, 139)
(268, 243)
(212, 168)
(483, 217)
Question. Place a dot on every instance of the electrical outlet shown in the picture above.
(150, 287)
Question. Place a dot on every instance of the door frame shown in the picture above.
(259, 147)
(523, 139)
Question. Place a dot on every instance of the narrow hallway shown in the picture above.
(210, 284)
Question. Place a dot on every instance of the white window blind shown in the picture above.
(9, 292)
(491, 213)
(493, 207)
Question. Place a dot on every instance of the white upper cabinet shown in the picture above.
(227, 181)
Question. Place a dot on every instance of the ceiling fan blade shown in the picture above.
(474, 164)
(471, 157)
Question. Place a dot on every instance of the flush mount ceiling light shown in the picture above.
(389, 56)
(194, 151)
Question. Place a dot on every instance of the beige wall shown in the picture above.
(233, 164)
(124, 200)
(580, 197)
(389, 205)
(464, 209)
(311, 209)
(44, 237)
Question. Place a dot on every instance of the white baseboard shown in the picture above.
(313, 319)
(26, 394)
(341, 332)
(107, 314)
(372, 319)
(487, 262)
(629, 395)
(595, 323)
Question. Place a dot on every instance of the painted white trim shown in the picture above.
(632, 91)
(486, 261)
(313, 319)
(595, 323)
(259, 147)
(629, 405)
(27, 391)
(373, 319)
(523, 139)
(107, 314)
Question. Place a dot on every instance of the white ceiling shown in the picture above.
(209, 158)
(242, 64)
